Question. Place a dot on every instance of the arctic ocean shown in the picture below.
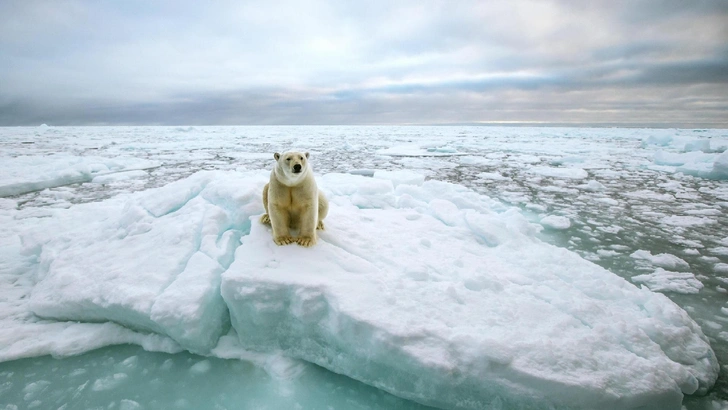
(468, 267)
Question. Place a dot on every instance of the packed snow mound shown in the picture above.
(153, 263)
(33, 173)
(434, 293)
(422, 288)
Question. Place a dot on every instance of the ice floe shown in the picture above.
(556, 222)
(23, 174)
(662, 280)
(422, 288)
(663, 260)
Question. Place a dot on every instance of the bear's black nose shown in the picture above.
(297, 168)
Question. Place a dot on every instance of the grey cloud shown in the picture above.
(79, 62)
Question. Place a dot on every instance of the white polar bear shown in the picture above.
(292, 200)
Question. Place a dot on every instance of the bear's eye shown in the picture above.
(301, 158)
(288, 159)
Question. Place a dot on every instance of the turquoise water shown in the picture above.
(127, 377)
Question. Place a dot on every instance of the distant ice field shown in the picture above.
(149, 236)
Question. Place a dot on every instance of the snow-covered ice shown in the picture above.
(446, 293)
(106, 272)
(556, 222)
(663, 260)
(473, 305)
(662, 280)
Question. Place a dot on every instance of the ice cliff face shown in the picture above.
(424, 289)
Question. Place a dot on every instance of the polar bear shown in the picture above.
(292, 200)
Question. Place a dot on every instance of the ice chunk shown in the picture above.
(698, 163)
(419, 151)
(471, 312)
(662, 140)
(592, 186)
(698, 145)
(568, 173)
(665, 281)
(154, 263)
(479, 161)
(663, 260)
(720, 167)
(495, 176)
(33, 173)
(677, 159)
(686, 220)
(556, 222)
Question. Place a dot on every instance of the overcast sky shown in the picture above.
(196, 62)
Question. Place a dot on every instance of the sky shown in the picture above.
(138, 62)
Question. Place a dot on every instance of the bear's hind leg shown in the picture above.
(323, 210)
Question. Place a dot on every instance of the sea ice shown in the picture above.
(107, 272)
(32, 173)
(661, 140)
(556, 222)
(424, 289)
(119, 176)
(467, 311)
(418, 151)
(720, 167)
(569, 173)
(697, 162)
(698, 145)
(665, 281)
(663, 260)
(592, 186)
(686, 220)
(400, 177)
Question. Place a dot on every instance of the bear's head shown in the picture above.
(292, 165)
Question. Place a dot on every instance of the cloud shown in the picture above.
(291, 62)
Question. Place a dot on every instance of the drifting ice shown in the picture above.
(422, 288)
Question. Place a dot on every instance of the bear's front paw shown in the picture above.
(283, 240)
(306, 241)
(265, 219)
(320, 226)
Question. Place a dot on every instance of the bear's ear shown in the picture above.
(306, 155)
(276, 156)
